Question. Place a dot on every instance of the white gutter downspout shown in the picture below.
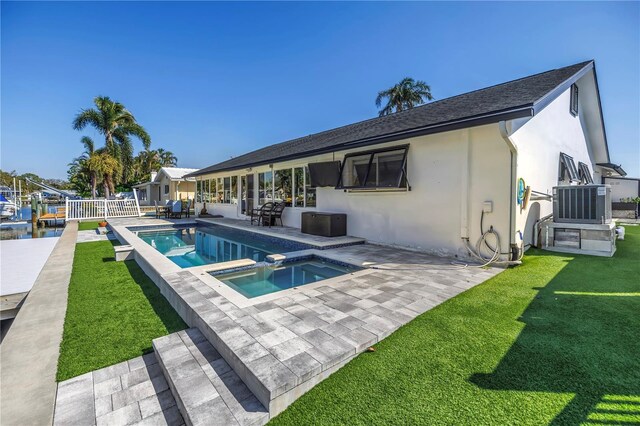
(514, 164)
(464, 192)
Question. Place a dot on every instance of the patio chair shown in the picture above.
(274, 214)
(186, 208)
(259, 213)
(176, 209)
(168, 207)
(247, 207)
(160, 210)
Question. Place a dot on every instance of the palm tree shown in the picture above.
(80, 174)
(148, 160)
(166, 158)
(103, 164)
(118, 125)
(143, 163)
(404, 95)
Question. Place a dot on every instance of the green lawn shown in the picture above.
(554, 341)
(114, 312)
(87, 226)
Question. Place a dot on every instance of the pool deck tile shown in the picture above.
(284, 345)
(133, 392)
(93, 235)
(287, 341)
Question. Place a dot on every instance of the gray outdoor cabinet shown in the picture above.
(324, 224)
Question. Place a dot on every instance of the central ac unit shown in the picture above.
(582, 204)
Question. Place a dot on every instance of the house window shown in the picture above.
(283, 186)
(298, 186)
(207, 190)
(198, 191)
(166, 189)
(310, 192)
(233, 195)
(584, 174)
(290, 186)
(213, 190)
(375, 169)
(219, 192)
(265, 187)
(568, 169)
(573, 107)
(227, 190)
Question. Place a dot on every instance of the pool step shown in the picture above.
(207, 390)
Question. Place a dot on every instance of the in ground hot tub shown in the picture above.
(270, 278)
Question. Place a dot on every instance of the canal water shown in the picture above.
(17, 231)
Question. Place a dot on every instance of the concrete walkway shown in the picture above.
(30, 350)
(93, 235)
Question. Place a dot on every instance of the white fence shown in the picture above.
(102, 209)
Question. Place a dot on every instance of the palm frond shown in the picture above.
(87, 117)
(89, 145)
(138, 131)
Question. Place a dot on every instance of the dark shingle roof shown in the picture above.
(517, 98)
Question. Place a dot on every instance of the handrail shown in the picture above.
(101, 209)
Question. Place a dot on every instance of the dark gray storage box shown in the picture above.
(324, 224)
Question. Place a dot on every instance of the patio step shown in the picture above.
(207, 390)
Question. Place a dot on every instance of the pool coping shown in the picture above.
(156, 264)
(161, 264)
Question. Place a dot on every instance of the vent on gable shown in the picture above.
(573, 107)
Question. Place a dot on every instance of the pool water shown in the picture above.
(196, 246)
(272, 278)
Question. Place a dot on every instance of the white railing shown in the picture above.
(102, 209)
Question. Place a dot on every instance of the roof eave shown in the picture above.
(550, 96)
(615, 167)
(519, 112)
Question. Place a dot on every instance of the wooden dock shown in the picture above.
(59, 214)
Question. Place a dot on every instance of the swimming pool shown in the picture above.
(268, 279)
(202, 245)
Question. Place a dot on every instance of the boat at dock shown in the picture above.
(7, 208)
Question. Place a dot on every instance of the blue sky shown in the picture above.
(214, 80)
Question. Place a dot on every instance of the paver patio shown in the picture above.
(282, 347)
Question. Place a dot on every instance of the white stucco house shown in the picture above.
(168, 183)
(428, 178)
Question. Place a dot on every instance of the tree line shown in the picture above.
(6, 179)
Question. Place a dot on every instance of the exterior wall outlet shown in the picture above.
(487, 206)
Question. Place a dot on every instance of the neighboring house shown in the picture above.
(429, 177)
(623, 187)
(169, 183)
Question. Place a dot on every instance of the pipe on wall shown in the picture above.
(504, 132)
(464, 192)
